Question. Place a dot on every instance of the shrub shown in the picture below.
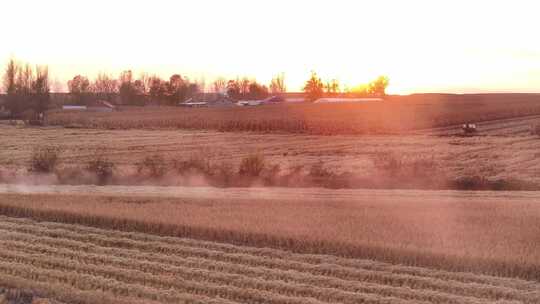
(252, 165)
(102, 168)
(271, 174)
(153, 165)
(471, 183)
(319, 171)
(44, 159)
(224, 173)
(196, 163)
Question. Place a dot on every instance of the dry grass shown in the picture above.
(492, 157)
(396, 114)
(78, 264)
(482, 234)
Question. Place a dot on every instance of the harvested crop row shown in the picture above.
(397, 280)
(290, 283)
(149, 247)
(313, 259)
(322, 269)
(178, 270)
(87, 282)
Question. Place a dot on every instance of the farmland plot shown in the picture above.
(79, 264)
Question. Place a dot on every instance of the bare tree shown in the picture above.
(105, 86)
(27, 89)
(41, 89)
(219, 85)
(277, 85)
(332, 86)
(244, 86)
(10, 76)
(126, 88)
(79, 88)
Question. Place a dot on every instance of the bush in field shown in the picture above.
(153, 165)
(252, 165)
(271, 174)
(223, 173)
(44, 159)
(194, 164)
(16, 296)
(102, 168)
(318, 171)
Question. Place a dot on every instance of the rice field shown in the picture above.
(78, 264)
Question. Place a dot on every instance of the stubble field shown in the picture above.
(488, 232)
(394, 115)
(78, 264)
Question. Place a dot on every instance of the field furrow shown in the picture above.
(288, 282)
(332, 270)
(312, 259)
(148, 268)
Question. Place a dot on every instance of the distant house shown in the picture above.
(93, 106)
(73, 108)
(191, 104)
(245, 103)
(100, 106)
(207, 100)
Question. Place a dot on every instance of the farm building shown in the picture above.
(191, 104)
(93, 106)
(100, 106)
(245, 103)
(73, 108)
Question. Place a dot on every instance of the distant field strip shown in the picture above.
(498, 127)
(78, 264)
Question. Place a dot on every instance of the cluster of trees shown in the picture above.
(246, 89)
(133, 91)
(172, 91)
(27, 89)
(315, 88)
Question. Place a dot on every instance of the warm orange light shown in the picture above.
(421, 45)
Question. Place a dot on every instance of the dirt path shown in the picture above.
(288, 194)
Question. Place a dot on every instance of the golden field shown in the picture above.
(506, 150)
(396, 114)
(127, 243)
(79, 264)
(494, 233)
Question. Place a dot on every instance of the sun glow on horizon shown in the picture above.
(422, 46)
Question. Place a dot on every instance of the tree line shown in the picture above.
(315, 88)
(28, 90)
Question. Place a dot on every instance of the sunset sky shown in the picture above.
(423, 46)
